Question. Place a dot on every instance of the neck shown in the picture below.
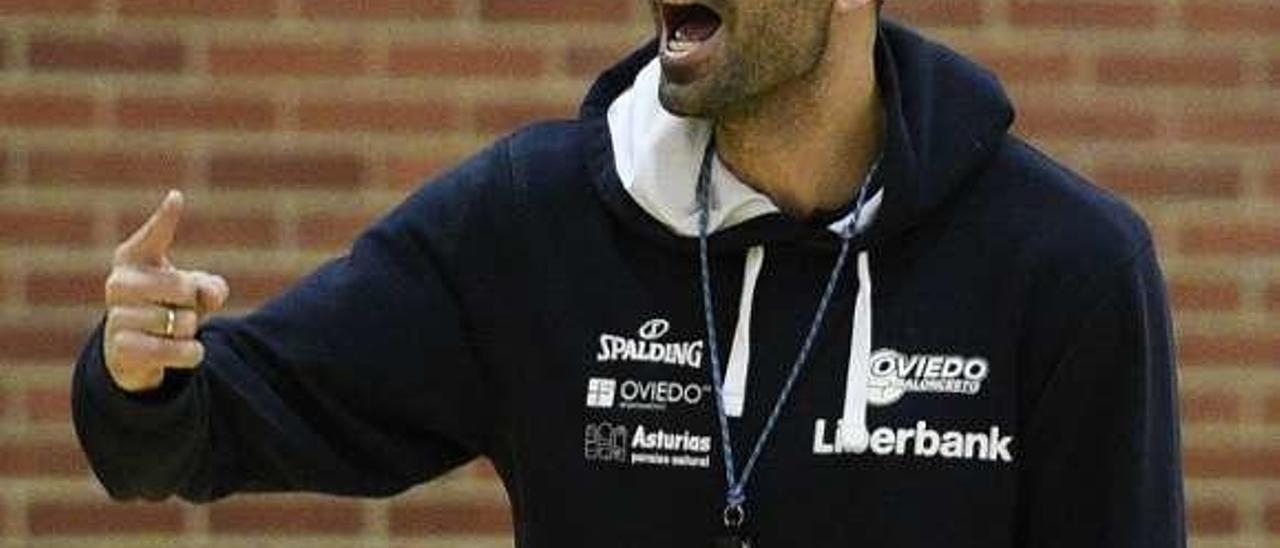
(809, 143)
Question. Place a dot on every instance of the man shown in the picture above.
(933, 335)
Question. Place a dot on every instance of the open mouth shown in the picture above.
(688, 25)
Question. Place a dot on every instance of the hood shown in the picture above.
(945, 117)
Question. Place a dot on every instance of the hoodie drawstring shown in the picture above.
(853, 424)
(735, 380)
(852, 432)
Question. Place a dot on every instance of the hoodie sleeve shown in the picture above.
(360, 380)
(1102, 465)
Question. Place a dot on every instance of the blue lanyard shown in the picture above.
(736, 493)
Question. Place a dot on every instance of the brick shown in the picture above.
(31, 459)
(1275, 71)
(49, 404)
(204, 229)
(45, 227)
(250, 289)
(112, 168)
(1083, 14)
(50, 7)
(1236, 16)
(66, 288)
(1197, 350)
(1273, 297)
(280, 515)
(444, 519)
(378, 9)
(1204, 295)
(377, 116)
(331, 230)
(212, 113)
(952, 13)
(39, 110)
(1231, 238)
(42, 343)
(1249, 463)
(1179, 69)
(587, 62)
(1247, 128)
(1272, 409)
(1212, 518)
(1210, 407)
(278, 59)
(286, 170)
(80, 518)
(411, 172)
(562, 11)
(237, 9)
(1026, 66)
(1272, 517)
(1275, 179)
(1164, 181)
(106, 55)
(1104, 122)
(229, 230)
(505, 117)
(467, 60)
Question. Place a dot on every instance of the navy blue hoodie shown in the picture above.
(995, 369)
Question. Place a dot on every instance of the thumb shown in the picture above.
(149, 245)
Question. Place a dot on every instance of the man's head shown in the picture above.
(719, 56)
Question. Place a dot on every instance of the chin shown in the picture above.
(684, 101)
(677, 105)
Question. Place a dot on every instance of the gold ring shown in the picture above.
(170, 318)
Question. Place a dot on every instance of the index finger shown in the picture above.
(149, 245)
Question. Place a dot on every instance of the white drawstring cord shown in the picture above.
(735, 380)
(853, 425)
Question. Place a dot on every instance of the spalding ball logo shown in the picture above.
(654, 329)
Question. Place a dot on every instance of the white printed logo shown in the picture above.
(654, 329)
(631, 394)
(648, 347)
(600, 393)
(662, 448)
(894, 374)
(920, 441)
(608, 442)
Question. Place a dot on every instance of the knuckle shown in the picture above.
(113, 319)
(155, 347)
(187, 287)
(121, 340)
(197, 353)
(114, 284)
(187, 324)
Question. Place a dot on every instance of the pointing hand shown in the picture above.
(153, 308)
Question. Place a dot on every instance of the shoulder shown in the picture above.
(497, 177)
(1059, 219)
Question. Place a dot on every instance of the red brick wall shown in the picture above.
(291, 123)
